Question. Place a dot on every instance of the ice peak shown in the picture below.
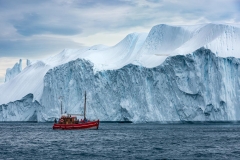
(28, 62)
(14, 71)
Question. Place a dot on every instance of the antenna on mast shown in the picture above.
(61, 107)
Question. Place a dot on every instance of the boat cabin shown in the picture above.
(68, 120)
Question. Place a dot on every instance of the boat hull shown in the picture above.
(84, 125)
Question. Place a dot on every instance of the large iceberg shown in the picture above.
(145, 77)
(195, 87)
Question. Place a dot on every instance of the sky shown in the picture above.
(35, 29)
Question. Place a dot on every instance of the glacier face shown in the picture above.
(195, 87)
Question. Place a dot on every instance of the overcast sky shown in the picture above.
(34, 29)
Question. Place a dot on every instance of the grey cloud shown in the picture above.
(9, 4)
(35, 48)
(28, 18)
(154, 1)
(33, 24)
(90, 17)
(92, 3)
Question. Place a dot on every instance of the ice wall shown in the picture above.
(195, 87)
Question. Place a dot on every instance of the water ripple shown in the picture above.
(120, 141)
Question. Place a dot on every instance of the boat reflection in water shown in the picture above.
(70, 121)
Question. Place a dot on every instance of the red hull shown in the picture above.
(85, 125)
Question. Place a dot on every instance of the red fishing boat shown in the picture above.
(70, 121)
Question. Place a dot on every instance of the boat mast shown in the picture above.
(61, 107)
(85, 106)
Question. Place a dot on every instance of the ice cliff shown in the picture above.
(195, 87)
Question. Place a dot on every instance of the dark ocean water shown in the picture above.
(121, 141)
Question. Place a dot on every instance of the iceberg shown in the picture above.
(159, 76)
(196, 87)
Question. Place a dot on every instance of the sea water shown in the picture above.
(121, 141)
